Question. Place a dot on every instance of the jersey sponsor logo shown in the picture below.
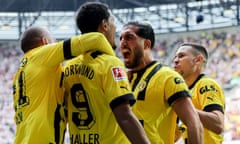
(91, 138)
(118, 74)
(207, 88)
(178, 80)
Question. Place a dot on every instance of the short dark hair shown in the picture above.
(145, 30)
(90, 15)
(198, 48)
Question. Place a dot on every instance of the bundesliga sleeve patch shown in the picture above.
(118, 74)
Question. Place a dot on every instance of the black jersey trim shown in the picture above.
(96, 54)
(213, 107)
(177, 96)
(67, 49)
(127, 97)
(61, 80)
(57, 120)
(140, 73)
(198, 78)
(142, 122)
(142, 94)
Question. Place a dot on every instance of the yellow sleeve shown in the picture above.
(93, 41)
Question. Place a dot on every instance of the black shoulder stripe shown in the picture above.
(67, 49)
(96, 53)
(213, 107)
(127, 97)
(141, 94)
(177, 96)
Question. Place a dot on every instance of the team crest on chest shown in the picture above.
(118, 73)
(141, 86)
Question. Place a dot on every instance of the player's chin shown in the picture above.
(127, 63)
(176, 69)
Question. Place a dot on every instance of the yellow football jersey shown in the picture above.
(38, 98)
(207, 95)
(95, 83)
(153, 108)
(38, 91)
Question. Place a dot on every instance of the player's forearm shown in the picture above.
(189, 116)
(130, 124)
(90, 42)
(134, 130)
(213, 121)
(195, 133)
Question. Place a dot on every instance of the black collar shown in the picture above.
(198, 78)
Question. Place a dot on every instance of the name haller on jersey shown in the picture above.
(92, 138)
(80, 69)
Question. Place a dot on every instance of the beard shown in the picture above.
(136, 61)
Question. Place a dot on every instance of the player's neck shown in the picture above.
(191, 79)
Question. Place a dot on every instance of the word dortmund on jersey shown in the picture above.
(207, 95)
(154, 109)
(95, 85)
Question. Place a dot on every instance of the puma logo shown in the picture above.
(123, 87)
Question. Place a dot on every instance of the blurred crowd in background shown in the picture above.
(224, 66)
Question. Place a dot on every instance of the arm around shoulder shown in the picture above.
(93, 41)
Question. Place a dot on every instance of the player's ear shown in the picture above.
(199, 58)
(147, 44)
(103, 26)
(44, 40)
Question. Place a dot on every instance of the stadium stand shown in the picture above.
(10, 57)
